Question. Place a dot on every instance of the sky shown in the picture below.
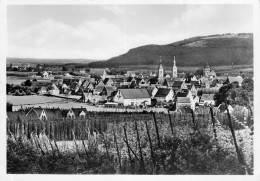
(104, 31)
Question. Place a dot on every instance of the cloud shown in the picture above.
(214, 19)
(99, 39)
(102, 39)
(54, 39)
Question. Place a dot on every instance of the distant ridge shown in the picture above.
(47, 61)
(214, 49)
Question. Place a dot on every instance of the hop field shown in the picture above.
(131, 143)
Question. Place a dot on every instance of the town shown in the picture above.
(132, 90)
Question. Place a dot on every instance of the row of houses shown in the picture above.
(45, 114)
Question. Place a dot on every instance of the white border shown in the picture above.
(3, 41)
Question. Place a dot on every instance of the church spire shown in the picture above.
(174, 68)
(160, 69)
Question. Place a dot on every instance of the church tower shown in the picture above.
(206, 70)
(174, 69)
(160, 74)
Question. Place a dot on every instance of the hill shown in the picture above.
(216, 50)
(48, 61)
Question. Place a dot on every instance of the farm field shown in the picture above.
(15, 80)
(55, 102)
(33, 99)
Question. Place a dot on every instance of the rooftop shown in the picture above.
(134, 93)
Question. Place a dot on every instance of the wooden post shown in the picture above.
(118, 154)
(193, 120)
(105, 143)
(139, 144)
(157, 132)
(213, 122)
(151, 146)
(134, 154)
(239, 155)
(128, 149)
(170, 122)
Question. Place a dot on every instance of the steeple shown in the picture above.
(174, 69)
(160, 69)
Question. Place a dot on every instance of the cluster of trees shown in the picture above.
(235, 95)
(20, 90)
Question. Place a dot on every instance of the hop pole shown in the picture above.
(128, 149)
(213, 122)
(239, 155)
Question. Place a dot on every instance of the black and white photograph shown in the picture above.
(130, 89)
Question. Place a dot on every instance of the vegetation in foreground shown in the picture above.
(138, 148)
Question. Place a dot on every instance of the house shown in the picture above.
(168, 82)
(67, 75)
(195, 100)
(152, 91)
(143, 83)
(107, 74)
(90, 87)
(80, 112)
(194, 91)
(194, 78)
(107, 90)
(108, 82)
(195, 83)
(134, 97)
(76, 88)
(43, 90)
(84, 84)
(36, 113)
(207, 99)
(164, 95)
(183, 102)
(75, 113)
(45, 74)
(182, 94)
(43, 114)
(57, 82)
(237, 79)
(208, 72)
(221, 79)
(64, 88)
(184, 86)
(100, 84)
(130, 74)
(103, 73)
(177, 85)
(153, 81)
(53, 89)
(98, 89)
